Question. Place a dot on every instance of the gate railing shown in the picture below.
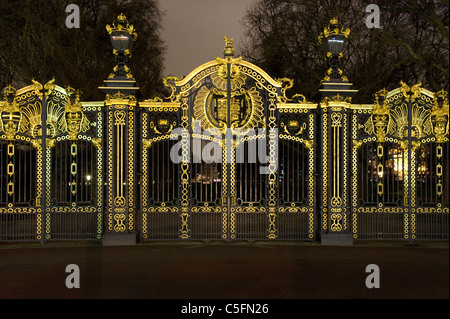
(51, 175)
(225, 196)
(399, 172)
(374, 172)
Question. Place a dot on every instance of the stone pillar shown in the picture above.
(120, 154)
(334, 180)
(334, 99)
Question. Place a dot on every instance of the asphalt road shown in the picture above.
(224, 271)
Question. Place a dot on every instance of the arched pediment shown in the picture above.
(212, 67)
(228, 92)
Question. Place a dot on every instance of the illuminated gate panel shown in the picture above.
(17, 191)
(399, 175)
(52, 177)
(432, 191)
(225, 124)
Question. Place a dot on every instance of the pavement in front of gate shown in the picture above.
(196, 270)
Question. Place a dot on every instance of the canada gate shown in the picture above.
(227, 156)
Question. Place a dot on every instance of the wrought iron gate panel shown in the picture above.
(160, 177)
(296, 179)
(76, 184)
(18, 186)
(48, 196)
(398, 174)
(233, 193)
(249, 214)
(21, 217)
(432, 191)
(74, 168)
(382, 200)
(206, 218)
(206, 174)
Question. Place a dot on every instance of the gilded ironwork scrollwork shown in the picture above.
(404, 125)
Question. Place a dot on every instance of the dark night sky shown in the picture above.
(194, 31)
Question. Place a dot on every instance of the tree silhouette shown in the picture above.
(35, 43)
(410, 45)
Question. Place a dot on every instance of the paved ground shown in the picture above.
(230, 271)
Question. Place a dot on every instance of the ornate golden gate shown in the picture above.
(399, 171)
(227, 156)
(51, 179)
(244, 157)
